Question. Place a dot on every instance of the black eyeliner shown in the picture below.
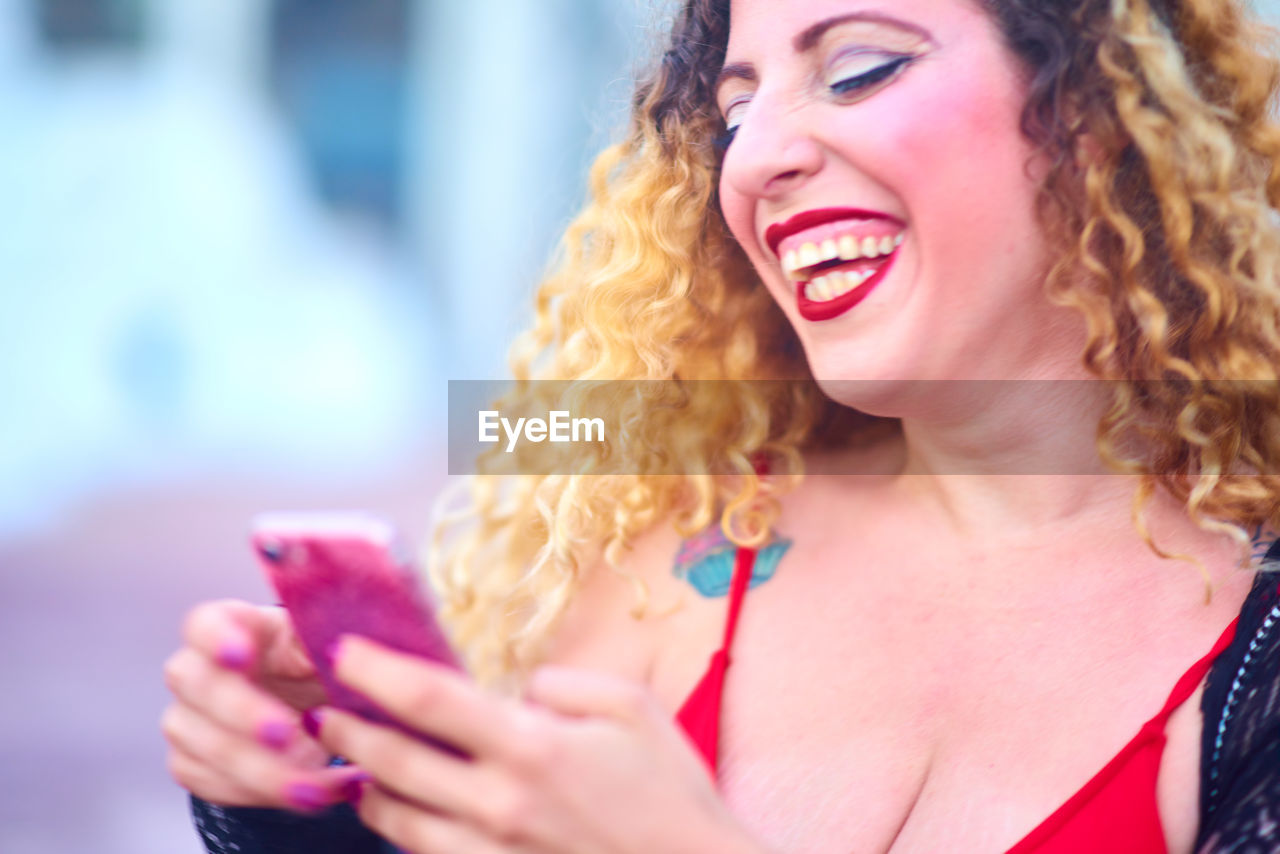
(879, 74)
(869, 78)
(722, 141)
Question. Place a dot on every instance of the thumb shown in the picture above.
(283, 653)
(238, 635)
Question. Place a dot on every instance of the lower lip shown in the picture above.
(828, 309)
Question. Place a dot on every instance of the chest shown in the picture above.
(885, 720)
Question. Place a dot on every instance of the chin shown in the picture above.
(873, 388)
(887, 386)
(885, 398)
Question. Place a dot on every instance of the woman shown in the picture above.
(944, 221)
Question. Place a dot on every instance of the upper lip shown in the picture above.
(779, 231)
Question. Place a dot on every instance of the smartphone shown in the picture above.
(345, 573)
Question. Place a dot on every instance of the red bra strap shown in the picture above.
(744, 561)
(1191, 679)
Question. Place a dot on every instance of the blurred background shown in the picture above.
(243, 246)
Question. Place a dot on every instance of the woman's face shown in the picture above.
(879, 182)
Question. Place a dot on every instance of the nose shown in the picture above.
(772, 152)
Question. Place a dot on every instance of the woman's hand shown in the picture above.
(590, 763)
(234, 729)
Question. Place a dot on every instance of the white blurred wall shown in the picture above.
(178, 300)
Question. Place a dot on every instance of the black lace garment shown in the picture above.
(250, 830)
(1239, 761)
(1240, 748)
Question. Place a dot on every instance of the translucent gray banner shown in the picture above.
(1007, 426)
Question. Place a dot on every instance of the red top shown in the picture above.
(1114, 812)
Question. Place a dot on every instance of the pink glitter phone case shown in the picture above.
(338, 574)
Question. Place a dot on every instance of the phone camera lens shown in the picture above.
(272, 550)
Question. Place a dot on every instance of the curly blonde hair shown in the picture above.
(1155, 118)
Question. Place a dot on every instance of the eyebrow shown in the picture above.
(809, 38)
(735, 71)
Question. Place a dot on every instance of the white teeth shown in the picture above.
(790, 262)
(849, 248)
(856, 279)
(834, 284)
(796, 262)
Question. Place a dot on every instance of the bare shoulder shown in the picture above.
(666, 602)
(602, 628)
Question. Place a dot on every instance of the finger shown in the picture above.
(231, 632)
(413, 770)
(220, 768)
(203, 781)
(573, 691)
(233, 701)
(238, 758)
(418, 831)
(429, 698)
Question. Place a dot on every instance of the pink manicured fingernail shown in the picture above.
(311, 721)
(308, 796)
(233, 655)
(275, 734)
(353, 789)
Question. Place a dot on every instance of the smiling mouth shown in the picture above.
(838, 265)
(835, 261)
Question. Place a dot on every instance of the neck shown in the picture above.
(999, 457)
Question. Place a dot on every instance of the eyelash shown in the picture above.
(868, 78)
(721, 142)
(871, 76)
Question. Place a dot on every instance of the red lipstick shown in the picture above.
(827, 309)
(776, 233)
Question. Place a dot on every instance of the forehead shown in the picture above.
(763, 27)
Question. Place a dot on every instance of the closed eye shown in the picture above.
(867, 77)
(847, 84)
(721, 142)
(731, 121)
